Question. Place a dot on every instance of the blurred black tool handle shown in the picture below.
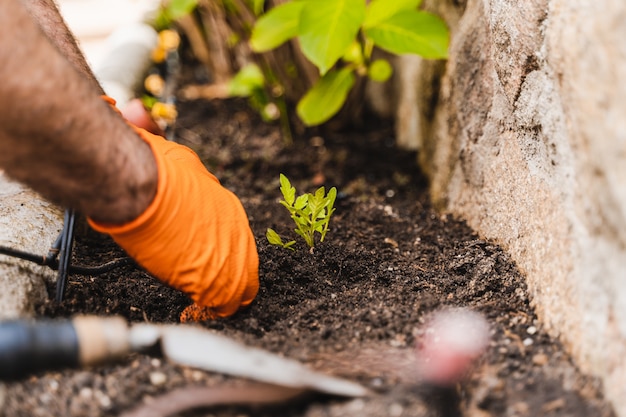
(28, 347)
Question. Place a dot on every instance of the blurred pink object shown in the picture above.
(136, 113)
(453, 339)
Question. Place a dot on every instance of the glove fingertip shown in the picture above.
(195, 313)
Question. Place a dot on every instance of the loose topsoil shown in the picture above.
(353, 307)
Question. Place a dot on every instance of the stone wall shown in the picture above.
(525, 138)
(27, 223)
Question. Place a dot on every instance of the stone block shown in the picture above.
(526, 141)
(31, 224)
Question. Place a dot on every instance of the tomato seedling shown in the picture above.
(310, 212)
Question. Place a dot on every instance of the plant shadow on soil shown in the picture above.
(352, 308)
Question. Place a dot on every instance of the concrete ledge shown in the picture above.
(28, 223)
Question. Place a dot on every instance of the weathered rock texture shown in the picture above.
(526, 140)
(27, 223)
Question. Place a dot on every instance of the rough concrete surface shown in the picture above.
(527, 142)
(27, 223)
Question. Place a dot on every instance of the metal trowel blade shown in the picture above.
(199, 348)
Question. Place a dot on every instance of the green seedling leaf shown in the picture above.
(380, 70)
(179, 8)
(319, 194)
(327, 28)
(330, 202)
(274, 239)
(276, 27)
(412, 32)
(289, 192)
(301, 202)
(381, 10)
(248, 80)
(326, 97)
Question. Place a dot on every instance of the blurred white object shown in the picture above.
(453, 339)
(126, 61)
(115, 40)
(92, 19)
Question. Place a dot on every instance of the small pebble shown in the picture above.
(396, 410)
(54, 385)
(155, 362)
(356, 405)
(520, 408)
(528, 341)
(531, 330)
(197, 375)
(553, 405)
(86, 393)
(103, 399)
(158, 378)
(376, 382)
(540, 359)
(317, 141)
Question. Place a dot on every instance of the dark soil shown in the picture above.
(352, 308)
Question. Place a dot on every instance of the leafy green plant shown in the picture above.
(250, 82)
(172, 10)
(339, 36)
(311, 212)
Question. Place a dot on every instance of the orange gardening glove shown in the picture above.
(194, 236)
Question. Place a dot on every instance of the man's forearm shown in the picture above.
(57, 136)
(46, 14)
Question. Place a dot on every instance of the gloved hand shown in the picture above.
(194, 236)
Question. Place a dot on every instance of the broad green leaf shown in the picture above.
(328, 28)
(276, 26)
(412, 32)
(246, 81)
(326, 97)
(289, 192)
(179, 8)
(380, 70)
(257, 6)
(381, 10)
